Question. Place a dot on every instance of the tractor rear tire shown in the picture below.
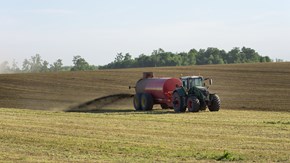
(178, 103)
(215, 103)
(164, 106)
(146, 101)
(193, 104)
(137, 101)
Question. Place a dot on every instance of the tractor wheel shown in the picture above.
(164, 106)
(202, 106)
(178, 103)
(146, 101)
(193, 104)
(137, 101)
(215, 103)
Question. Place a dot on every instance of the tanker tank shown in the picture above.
(160, 90)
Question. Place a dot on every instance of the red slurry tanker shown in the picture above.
(177, 93)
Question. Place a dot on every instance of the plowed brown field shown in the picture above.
(241, 86)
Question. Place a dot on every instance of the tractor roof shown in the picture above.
(186, 77)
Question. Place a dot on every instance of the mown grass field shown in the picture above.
(252, 125)
(46, 136)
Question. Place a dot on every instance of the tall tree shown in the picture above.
(192, 57)
(14, 67)
(119, 57)
(80, 64)
(233, 56)
(44, 67)
(34, 64)
(4, 67)
(26, 65)
(56, 66)
(250, 55)
(128, 61)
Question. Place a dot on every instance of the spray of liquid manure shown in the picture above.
(101, 104)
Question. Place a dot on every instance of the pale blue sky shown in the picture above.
(97, 30)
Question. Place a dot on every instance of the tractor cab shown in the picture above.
(194, 81)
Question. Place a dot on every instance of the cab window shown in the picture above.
(196, 82)
(184, 83)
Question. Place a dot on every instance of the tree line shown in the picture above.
(37, 64)
(159, 58)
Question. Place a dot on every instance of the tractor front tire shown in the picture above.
(178, 103)
(146, 101)
(193, 104)
(215, 103)
(137, 101)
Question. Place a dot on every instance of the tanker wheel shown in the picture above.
(164, 106)
(137, 101)
(178, 103)
(146, 101)
(215, 103)
(193, 104)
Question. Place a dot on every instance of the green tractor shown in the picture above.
(194, 95)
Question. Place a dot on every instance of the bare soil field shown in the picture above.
(264, 86)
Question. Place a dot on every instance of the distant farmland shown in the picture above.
(263, 86)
